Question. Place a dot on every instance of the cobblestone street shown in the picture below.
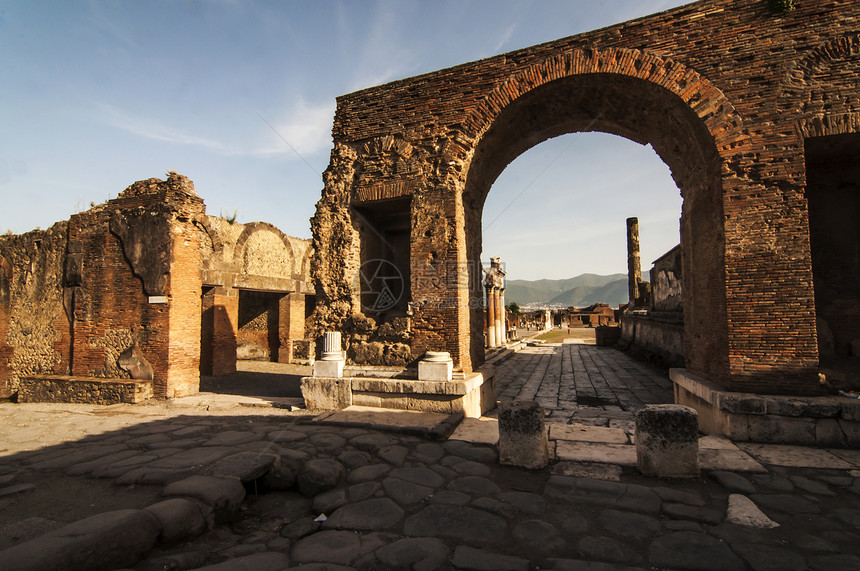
(224, 482)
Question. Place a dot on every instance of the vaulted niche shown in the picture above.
(833, 195)
(384, 228)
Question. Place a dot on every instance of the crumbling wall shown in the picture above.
(34, 326)
(137, 282)
(667, 282)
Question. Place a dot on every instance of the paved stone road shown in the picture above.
(158, 487)
(578, 382)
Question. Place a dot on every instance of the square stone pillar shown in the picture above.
(225, 320)
(667, 441)
(291, 324)
(522, 434)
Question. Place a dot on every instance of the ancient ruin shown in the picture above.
(137, 296)
(754, 110)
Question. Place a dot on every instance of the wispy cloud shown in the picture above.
(307, 128)
(301, 131)
(504, 38)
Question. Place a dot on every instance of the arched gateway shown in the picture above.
(733, 97)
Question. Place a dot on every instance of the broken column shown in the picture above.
(436, 366)
(667, 441)
(522, 435)
(332, 361)
(634, 266)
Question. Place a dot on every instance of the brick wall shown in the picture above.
(725, 91)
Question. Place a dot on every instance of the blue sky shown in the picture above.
(98, 94)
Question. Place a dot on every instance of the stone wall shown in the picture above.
(34, 323)
(726, 91)
(667, 282)
(118, 291)
(137, 282)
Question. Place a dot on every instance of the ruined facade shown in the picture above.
(597, 315)
(125, 289)
(658, 326)
(256, 280)
(752, 109)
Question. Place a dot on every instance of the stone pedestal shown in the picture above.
(522, 435)
(332, 361)
(436, 366)
(667, 441)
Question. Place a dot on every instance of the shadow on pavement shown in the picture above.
(258, 379)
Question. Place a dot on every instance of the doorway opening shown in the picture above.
(833, 197)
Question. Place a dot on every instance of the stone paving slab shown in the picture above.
(573, 451)
(795, 456)
(719, 453)
(586, 433)
(478, 430)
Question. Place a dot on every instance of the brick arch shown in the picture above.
(692, 125)
(706, 100)
(304, 268)
(250, 230)
(824, 102)
(212, 237)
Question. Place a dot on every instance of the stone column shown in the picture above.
(634, 266)
(491, 317)
(500, 335)
(504, 317)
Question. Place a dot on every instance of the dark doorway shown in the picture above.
(833, 196)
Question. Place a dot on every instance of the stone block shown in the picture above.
(109, 540)
(829, 434)
(435, 371)
(850, 409)
(522, 434)
(222, 496)
(332, 368)
(380, 400)
(852, 432)
(781, 429)
(88, 390)
(667, 441)
(325, 393)
(180, 519)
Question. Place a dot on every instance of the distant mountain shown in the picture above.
(581, 291)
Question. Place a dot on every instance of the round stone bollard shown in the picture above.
(667, 441)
